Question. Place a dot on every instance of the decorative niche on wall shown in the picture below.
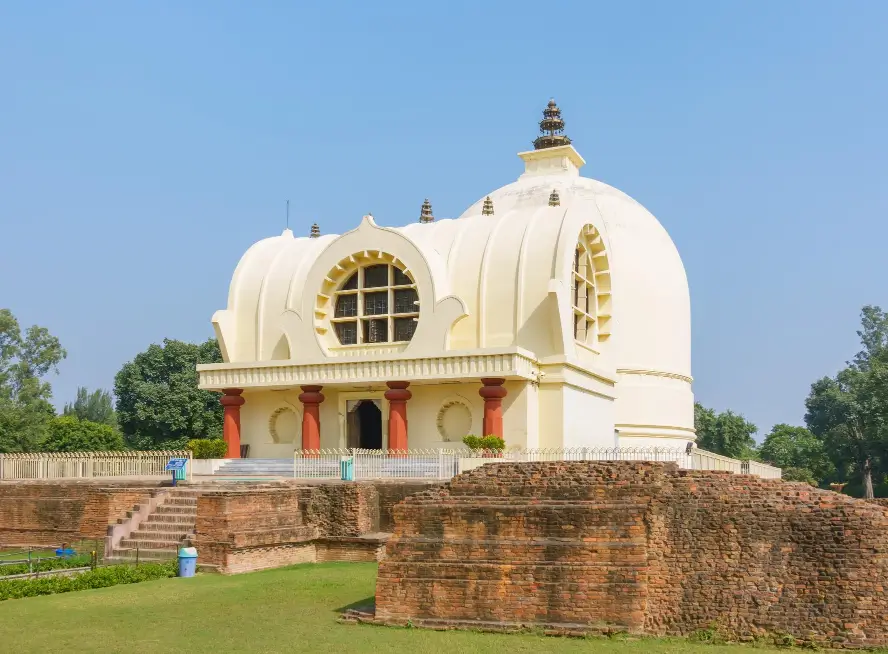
(454, 420)
(284, 426)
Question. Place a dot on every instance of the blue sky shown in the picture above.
(145, 146)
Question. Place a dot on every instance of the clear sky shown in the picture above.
(145, 146)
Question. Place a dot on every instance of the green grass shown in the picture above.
(286, 610)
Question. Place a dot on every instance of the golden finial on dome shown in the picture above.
(487, 209)
(551, 128)
(425, 214)
(315, 231)
(554, 199)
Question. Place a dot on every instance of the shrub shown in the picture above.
(43, 565)
(71, 434)
(472, 442)
(492, 444)
(98, 578)
(208, 448)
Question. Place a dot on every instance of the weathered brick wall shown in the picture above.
(390, 493)
(638, 546)
(257, 527)
(51, 513)
(881, 501)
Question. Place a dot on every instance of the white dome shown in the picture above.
(651, 306)
(489, 282)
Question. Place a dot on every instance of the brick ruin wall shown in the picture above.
(52, 513)
(641, 547)
(244, 529)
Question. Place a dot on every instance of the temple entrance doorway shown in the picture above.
(364, 424)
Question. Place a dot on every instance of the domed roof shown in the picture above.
(501, 275)
(651, 302)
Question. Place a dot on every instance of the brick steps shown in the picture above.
(170, 526)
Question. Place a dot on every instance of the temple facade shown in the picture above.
(554, 312)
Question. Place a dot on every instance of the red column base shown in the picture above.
(232, 401)
(493, 394)
(397, 396)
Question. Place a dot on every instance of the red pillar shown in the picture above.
(493, 394)
(232, 401)
(397, 396)
(311, 399)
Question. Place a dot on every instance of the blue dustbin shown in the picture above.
(347, 468)
(187, 561)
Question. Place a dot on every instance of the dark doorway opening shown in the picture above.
(370, 421)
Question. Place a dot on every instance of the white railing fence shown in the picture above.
(444, 464)
(86, 465)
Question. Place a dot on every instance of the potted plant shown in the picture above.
(486, 449)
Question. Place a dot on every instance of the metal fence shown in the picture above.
(86, 465)
(444, 464)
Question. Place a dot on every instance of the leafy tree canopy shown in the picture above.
(725, 433)
(801, 454)
(71, 434)
(159, 405)
(848, 413)
(97, 406)
(25, 359)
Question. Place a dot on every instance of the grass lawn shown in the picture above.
(287, 610)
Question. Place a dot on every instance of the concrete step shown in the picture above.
(175, 509)
(171, 527)
(171, 536)
(151, 544)
(172, 519)
(180, 501)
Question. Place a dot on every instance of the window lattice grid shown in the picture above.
(405, 300)
(378, 303)
(404, 328)
(346, 306)
(584, 297)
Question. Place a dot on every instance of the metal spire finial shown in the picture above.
(487, 209)
(315, 231)
(425, 214)
(551, 128)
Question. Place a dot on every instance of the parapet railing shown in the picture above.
(86, 465)
(445, 463)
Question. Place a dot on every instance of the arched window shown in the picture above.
(590, 289)
(377, 303)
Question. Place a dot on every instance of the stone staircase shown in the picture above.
(256, 468)
(167, 528)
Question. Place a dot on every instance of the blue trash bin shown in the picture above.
(187, 561)
(347, 468)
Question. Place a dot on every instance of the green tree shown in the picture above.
(801, 454)
(849, 412)
(97, 406)
(725, 433)
(71, 434)
(25, 359)
(159, 405)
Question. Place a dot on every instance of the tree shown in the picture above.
(159, 405)
(25, 359)
(726, 433)
(798, 452)
(71, 434)
(97, 406)
(849, 412)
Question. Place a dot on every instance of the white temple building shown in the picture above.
(553, 312)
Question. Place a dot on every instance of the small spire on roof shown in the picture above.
(554, 199)
(425, 214)
(487, 209)
(315, 231)
(551, 128)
